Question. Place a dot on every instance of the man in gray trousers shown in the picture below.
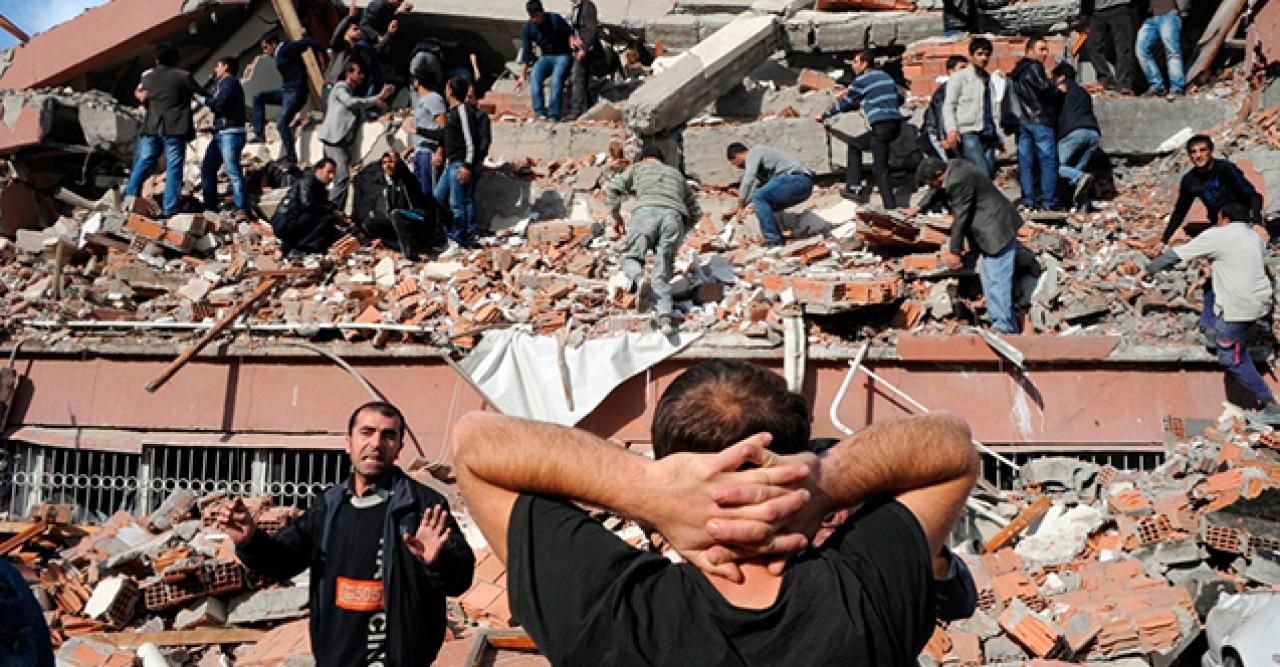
(341, 119)
(664, 208)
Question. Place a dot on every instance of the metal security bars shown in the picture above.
(1003, 478)
(97, 483)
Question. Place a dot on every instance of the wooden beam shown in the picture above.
(293, 31)
(199, 637)
(1019, 524)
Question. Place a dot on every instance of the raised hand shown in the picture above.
(432, 533)
(234, 520)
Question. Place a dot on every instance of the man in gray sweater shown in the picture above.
(341, 120)
(665, 206)
(771, 179)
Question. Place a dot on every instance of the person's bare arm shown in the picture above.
(678, 495)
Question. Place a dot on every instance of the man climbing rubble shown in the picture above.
(877, 94)
(227, 104)
(771, 180)
(167, 92)
(290, 97)
(748, 592)
(1242, 294)
(342, 118)
(383, 553)
(665, 207)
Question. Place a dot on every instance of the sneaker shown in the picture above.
(1154, 92)
(1081, 191)
(1269, 414)
(644, 295)
(1210, 337)
(255, 139)
(857, 195)
(1173, 94)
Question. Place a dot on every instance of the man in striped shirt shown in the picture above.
(878, 96)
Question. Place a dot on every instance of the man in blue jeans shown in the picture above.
(291, 96)
(1032, 103)
(969, 110)
(465, 141)
(1078, 134)
(771, 180)
(167, 126)
(1242, 294)
(551, 33)
(228, 137)
(1164, 27)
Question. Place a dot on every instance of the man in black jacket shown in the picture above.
(167, 126)
(306, 221)
(989, 221)
(933, 131)
(1033, 101)
(378, 24)
(1079, 133)
(390, 206)
(228, 137)
(291, 96)
(959, 16)
(383, 552)
(464, 144)
(586, 47)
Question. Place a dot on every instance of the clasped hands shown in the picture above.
(716, 515)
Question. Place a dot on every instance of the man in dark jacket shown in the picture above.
(383, 552)
(1078, 133)
(390, 206)
(378, 24)
(1111, 25)
(167, 126)
(989, 221)
(349, 44)
(306, 221)
(1033, 101)
(933, 131)
(291, 96)
(877, 94)
(959, 16)
(586, 50)
(228, 137)
(464, 144)
(550, 33)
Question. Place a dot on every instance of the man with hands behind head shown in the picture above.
(383, 552)
(742, 516)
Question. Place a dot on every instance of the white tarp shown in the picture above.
(520, 373)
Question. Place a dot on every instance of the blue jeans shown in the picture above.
(1208, 320)
(1038, 148)
(980, 150)
(996, 273)
(461, 200)
(145, 156)
(1166, 30)
(290, 103)
(1233, 356)
(558, 68)
(1074, 152)
(781, 191)
(224, 151)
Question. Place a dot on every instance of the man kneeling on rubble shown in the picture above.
(1242, 295)
(751, 592)
(306, 221)
(382, 549)
(665, 207)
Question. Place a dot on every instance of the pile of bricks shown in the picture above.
(926, 60)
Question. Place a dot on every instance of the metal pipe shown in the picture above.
(844, 387)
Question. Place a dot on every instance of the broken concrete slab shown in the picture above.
(702, 74)
(1267, 164)
(272, 604)
(1037, 17)
(1137, 126)
(549, 142)
(704, 147)
(209, 611)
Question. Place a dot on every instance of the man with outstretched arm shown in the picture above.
(865, 596)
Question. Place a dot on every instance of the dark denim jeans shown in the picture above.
(224, 151)
(1233, 356)
(145, 156)
(290, 103)
(1038, 149)
(980, 150)
(461, 200)
(877, 140)
(557, 67)
(781, 191)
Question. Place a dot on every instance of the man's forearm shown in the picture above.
(894, 457)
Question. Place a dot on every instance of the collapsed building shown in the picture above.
(155, 365)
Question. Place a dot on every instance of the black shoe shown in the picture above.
(857, 195)
(1081, 191)
(1210, 337)
(1269, 414)
(1154, 92)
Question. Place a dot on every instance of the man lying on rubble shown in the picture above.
(1242, 290)
(750, 592)
(665, 207)
(167, 126)
(227, 104)
(383, 552)
(989, 221)
(306, 220)
(771, 180)
(392, 208)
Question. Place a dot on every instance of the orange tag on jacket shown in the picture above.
(359, 595)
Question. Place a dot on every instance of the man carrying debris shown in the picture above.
(1242, 293)
(748, 592)
(665, 207)
(933, 130)
(1032, 104)
(306, 221)
(464, 144)
(224, 151)
(167, 126)
(551, 33)
(342, 117)
(291, 96)
(771, 179)
(1079, 134)
(878, 96)
(989, 221)
(968, 112)
(383, 553)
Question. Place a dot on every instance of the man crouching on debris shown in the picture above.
(865, 596)
(306, 220)
(383, 551)
(1242, 295)
(665, 206)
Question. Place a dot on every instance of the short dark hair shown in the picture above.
(1065, 70)
(459, 87)
(427, 82)
(1032, 41)
(533, 7)
(323, 161)
(651, 151)
(980, 43)
(956, 61)
(929, 168)
(1200, 139)
(167, 55)
(353, 66)
(1237, 212)
(381, 407)
(736, 148)
(717, 403)
(865, 56)
(272, 37)
(233, 66)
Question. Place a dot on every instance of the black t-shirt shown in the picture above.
(588, 598)
(1221, 184)
(357, 628)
